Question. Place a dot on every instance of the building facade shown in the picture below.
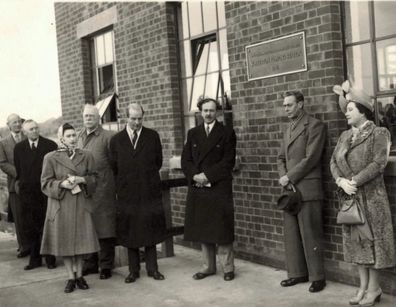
(165, 55)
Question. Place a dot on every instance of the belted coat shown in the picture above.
(209, 214)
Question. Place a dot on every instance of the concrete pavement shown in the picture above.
(255, 285)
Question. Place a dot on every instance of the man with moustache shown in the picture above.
(136, 157)
(299, 165)
(7, 165)
(97, 140)
(28, 159)
(207, 161)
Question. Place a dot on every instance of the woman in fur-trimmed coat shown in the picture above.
(357, 165)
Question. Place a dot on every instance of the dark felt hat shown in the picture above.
(290, 201)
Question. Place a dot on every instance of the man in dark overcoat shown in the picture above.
(136, 157)
(28, 158)
(299, 164)
(207, 161)
(7, 165)
(97, 140)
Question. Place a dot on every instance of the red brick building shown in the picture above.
(165, 55)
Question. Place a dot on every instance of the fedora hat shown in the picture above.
(290, 201)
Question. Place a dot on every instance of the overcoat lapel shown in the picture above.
(363, 135)
(63, 159)
(140, 142)
(126, 141)
(208, 142)
(293, 134)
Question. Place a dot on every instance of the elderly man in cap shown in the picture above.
(7, 165)
(299, 166)
(97, 140)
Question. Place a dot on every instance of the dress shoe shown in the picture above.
(23, 254)
(293, 281)
(32, 266)
(70, 286)
(51, 266)
(81, 283)
(358, 297)
(200, 275)
(317, 285)
(105, 274)
(132, 277)
(370, 298)
(229, 276)
(156, 275)
(87, 271)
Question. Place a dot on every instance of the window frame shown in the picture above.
(377, 92)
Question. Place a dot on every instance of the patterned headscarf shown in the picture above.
(64, 147)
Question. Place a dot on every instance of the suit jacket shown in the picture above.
(7, 160)
(28, 166)
(210, 211)
(140, 214)
(300, 156)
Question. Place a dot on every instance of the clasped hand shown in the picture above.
(71, 182)
(349, 186)
(200, 180)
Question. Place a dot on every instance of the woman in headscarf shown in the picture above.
(357, 165)
(68, 179)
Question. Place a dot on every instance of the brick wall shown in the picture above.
(259, 121)
(147, 72)
(146, 64)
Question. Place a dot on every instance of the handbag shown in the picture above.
(350, 212)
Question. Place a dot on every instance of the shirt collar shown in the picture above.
(35, 142)
(210, 125)
(130, 131)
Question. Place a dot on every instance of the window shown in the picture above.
(370, 41)
(204, 58)
(102, 59)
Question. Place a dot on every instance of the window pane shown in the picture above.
(211, 86)
(106, 78)
(203, 59)
(360, 71)
(221, 13)
(386, 59)
(387, 116)
(357, 22)
(108, 42)
(186, 65)
(213, 57)
(184, 23)
(194, 10)
(186, 84)
(385, 21)
(227, 83)
(209, 16)
(223, 49)
(198, 90)
(100, 54)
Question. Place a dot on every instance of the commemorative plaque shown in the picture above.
(276, 57)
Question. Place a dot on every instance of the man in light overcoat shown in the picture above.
(7, 165)
(207, 161)
(97, 140)
(299, 164)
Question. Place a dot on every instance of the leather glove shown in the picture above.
(348, 186)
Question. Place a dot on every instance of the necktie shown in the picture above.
(34, 148)
(207, 130)
(134, 139)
